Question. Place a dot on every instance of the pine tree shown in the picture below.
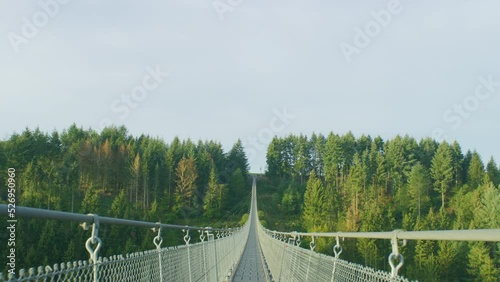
(186, 175)
(118, 234)
(237, 186)
(237, 159)
(475, 174)
(333, 160)
(274, 159)
(418, 189)
(442, 171)
(493, 172)
(426, 150)
(317, 147)
(481, 266)
(488, 213)
(302, 163)
(314, 203)
(91, 201)
(215, 196)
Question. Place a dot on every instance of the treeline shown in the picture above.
(115, 174)
(344, 183)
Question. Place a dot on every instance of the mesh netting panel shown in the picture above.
(287, 262)
(212, 260)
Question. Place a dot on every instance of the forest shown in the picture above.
(317, 183)
(343, 183)
(112, 173)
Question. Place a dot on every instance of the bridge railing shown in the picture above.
(214, 258)
(288, 262)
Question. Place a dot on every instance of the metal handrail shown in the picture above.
(488, 235)
(68, 216)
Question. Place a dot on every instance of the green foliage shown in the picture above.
(322, 183)
(488, 213)
(481, 266)
(418, 190)
(291, 201)
(314, 203)
(90, 203)
(475, 174)
(237, 185)
(237, 158)
(112, 173)
(186, 185)
(442, 171)
(365, 184)
(244, 219)
(215, 197)
(493, 172)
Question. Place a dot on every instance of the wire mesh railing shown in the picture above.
(214, 258)
(289, 262)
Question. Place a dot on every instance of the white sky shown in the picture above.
(227, 76)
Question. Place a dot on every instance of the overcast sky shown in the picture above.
(247, 69)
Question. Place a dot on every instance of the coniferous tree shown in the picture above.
(314, 203)
(186, 180)
(493, 172)
(442, 171)
(91, 201)
(458, 162)
(418, 189)
(488, 213)
(237, 186)
(237, 159)
(215, 197)
(475, 174)
(273, 159)
(317, 147)
(481, 266)
(301, 158)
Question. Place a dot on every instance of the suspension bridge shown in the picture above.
(247, 253)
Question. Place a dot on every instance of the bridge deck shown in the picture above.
(250, 267)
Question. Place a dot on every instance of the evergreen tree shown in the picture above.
(302, 163)
(481, 266)
(442, 171)
(91, 201)
(488, 213)
(273, 159)
(237, 158)
(317, 147)
(237, 186)
(332, 160)
(493, 172)
(418, 189)
(475, 174)
(186, 175)
(215, 197)
(118, 234)
(426, 150)
(314, 203)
